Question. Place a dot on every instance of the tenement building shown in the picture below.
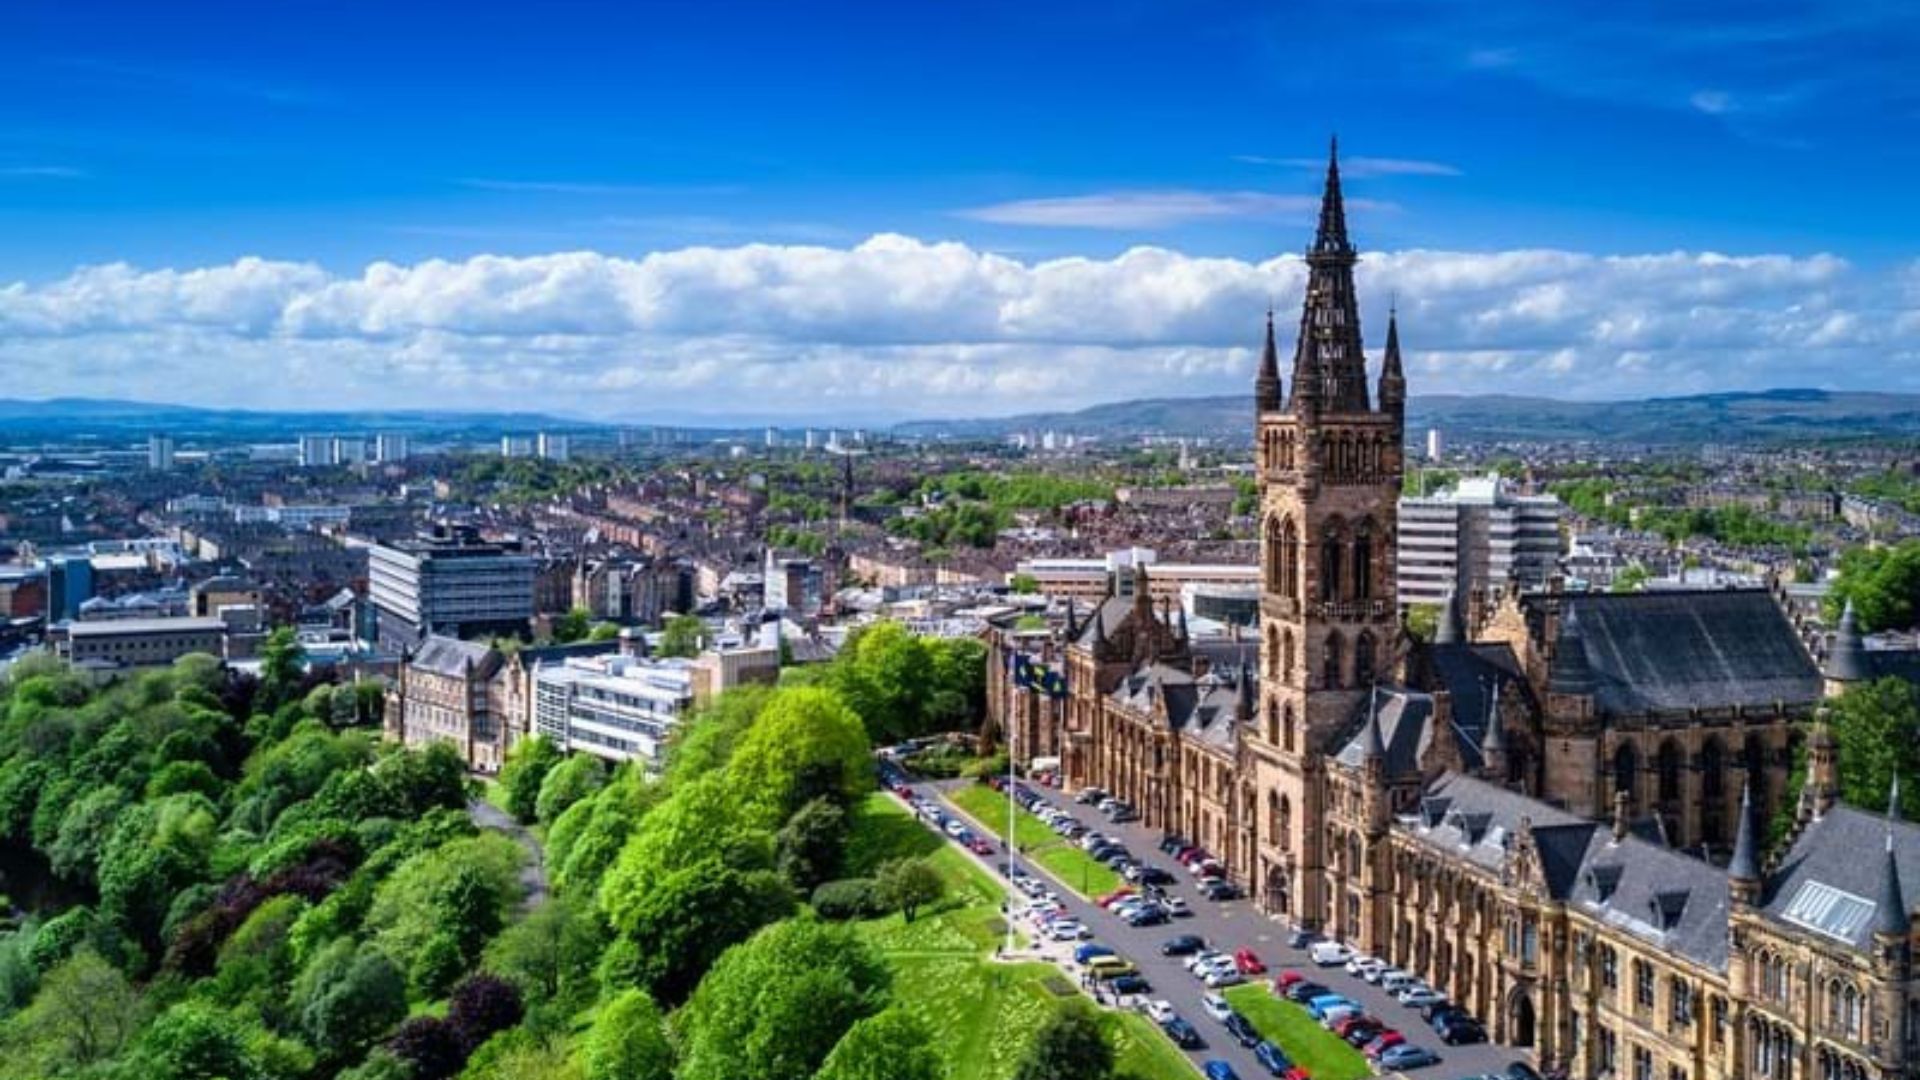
(1555, 811)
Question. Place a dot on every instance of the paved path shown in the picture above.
(1229, 926)
(533, 873)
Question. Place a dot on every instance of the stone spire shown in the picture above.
(1373, 751)
(1494, 742)
(1073, 622)
(1393, 380)
(1743, 870)
(1890, 905)
(1569, 672)
(1266, 384)
(1847, 660)
(1329, 365)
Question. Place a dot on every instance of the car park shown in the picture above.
(1216, 1006)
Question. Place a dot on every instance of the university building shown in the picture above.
(1555, 812)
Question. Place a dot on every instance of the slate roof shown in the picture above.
(1475, 820)
(1674, 901)
(449, 656)
(1407, 730)
(1674, 651)
(1841, 851)
(1202, 709)
(1468, 673)
(1107, 614)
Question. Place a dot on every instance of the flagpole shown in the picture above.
(1013, 727)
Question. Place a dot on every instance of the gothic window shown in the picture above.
(1626, 769)
(1330, 673)
(1332, 541)
(1753, 758)
(1276, 561)
(1286, 654)
(1273, 652)
(1363, 659)
(1363, 561)
(1273, 723)
(1713, 760)
(1289, 560)
(1286, 726)
(1669, 768)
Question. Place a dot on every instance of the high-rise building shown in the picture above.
(317, 450)
(516, 446)
(349, 449)
(391, 447)
(450, 581)
(555, 447)
(1479, 536)
(160, 452)
(772, 438)
(1436, 445)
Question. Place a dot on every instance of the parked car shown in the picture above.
(1124, 814)
(1218, 889)
(1421, 996)
(1305, 992)
(1367, 967)
(1520, 1070)
(1177, 907)
(1219, 979)
(1394, 981)
(1347, 1025)
(1216, 1006)
(1249, 962)
(1182, 945)
(1219, 1070)
(1202, 960)
(1088, 795)
(1363, 1034)
(1271, 1059)
(1383, 1042)
(1239, 1028)
(1330, 953)
(1068, 930)
(1087, 952)
(1286, 979)
(1130, 984)
(1183, 1034)
(1152, 916)
(1455, 1029)
(1159, 1010)
(1408, 1057)
(1299, 938)
(1318, 1006)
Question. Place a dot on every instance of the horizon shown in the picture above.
(752, 204)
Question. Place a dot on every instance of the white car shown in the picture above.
(1160, 1011)
(1330, 953)
(1068, 930)
(1394, 980)
(1419, 997)
(1176, 906)
(1216, 1007)
(1206, 958)
(1220, 978)
(1360, 962)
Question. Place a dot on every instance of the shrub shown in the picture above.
(848, 898)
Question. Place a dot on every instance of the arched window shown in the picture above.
(1713, 764)
(1286, 654)
(1670, 761)
(1362, 561)
(1284, 829)
(1332, 543)
(1287, 726)
(1363, 659)
(1273, 652)
(1330, 663)
(1276, 561)
(1626, 771)
(1289, 560)
(1273, 722)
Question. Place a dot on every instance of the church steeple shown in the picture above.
(1329, 366)
(1266, 384)
(1393, 381)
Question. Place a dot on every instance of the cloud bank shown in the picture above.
(897, 327)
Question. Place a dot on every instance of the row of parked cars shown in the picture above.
(1385, 1046)
(1117, 811)
(1271, 1058)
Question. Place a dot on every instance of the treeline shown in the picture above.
(1882, 582)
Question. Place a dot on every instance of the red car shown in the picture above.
(1248, 963)
(1285, 980)
(1297, 1073)
(1383, 1042)
(1115, 897)
(979, 846)
(1349, 1025)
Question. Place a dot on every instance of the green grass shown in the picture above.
(1074, 867)
(982, 1014)
(1322, 1053)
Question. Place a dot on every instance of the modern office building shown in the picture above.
(450, 581)
(1480, 535)
(555, 447)
(1436, 445)
(516, 446)
(316, 450)
(612, 706)
(112, 644)
(160, 452)
(1094, 579)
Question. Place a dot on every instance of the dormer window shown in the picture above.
(1603, 879)
(1667, 906)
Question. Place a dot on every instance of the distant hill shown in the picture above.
(107, 417)
(1760, 416)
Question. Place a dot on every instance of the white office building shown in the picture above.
(516, 446)
(391, 447)
(160, 452)
(316, 450)
(1479, 535)
(1436, 445)
(614, 706)
(555, 447)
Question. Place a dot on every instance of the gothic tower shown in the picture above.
(1329, 463)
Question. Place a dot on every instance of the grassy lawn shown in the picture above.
(982, 1013)
(1075, 868)
(1286, 1025)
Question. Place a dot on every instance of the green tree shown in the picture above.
(628, 1041)
(573, 779)
(356, 995)
(1631, 579)
(907, 885)
(683, 635)
(282, 663)
(551, 953)
(773, 1007)
(85, 1012)
(1069, 1046)
(84, 829)
(1024, 584)
(680, 922)
(1882, 582)
(471, 907)
(525, 770)
(892, 1045)
(811, 845)
(704, 741)
(1877, 726)
(573, 626)
(195, 1041)
(806, 744)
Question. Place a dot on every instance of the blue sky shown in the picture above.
(184, 138)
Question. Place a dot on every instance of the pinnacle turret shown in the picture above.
(1329, 365)
(1266, 384)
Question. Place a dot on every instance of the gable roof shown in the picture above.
(1675, 651)
(1829, 881)
(450, 656)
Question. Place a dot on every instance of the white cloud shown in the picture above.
(1144, 209)
(896, 326)
(41, 172)
(1360, 167)
(1712, 102)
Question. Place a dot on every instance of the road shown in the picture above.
(533, 873)
(1227, 927)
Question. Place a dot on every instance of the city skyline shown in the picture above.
(803, 213)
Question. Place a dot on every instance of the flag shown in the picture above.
(1036, 675)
